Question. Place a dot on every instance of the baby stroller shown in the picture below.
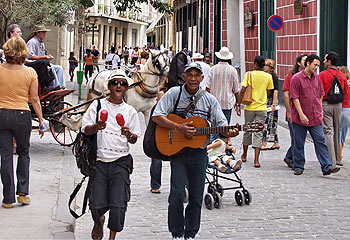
(215, 191)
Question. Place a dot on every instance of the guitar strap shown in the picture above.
(192, 105)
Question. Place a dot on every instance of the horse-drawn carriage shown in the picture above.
(65, 119)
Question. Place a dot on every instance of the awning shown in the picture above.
(153, 24)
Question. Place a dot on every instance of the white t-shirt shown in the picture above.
(206, 70)
(114, 58)
(111, 145)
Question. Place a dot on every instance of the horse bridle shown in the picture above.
(155, 62)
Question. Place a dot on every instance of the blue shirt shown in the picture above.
(207, 106)
(36, 47)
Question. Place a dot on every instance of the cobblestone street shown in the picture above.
(284, 206)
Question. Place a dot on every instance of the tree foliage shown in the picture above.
(132, 5)
(33, 12)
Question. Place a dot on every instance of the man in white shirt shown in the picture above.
(198, 58)
(112, 60)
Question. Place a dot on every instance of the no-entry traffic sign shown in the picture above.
(275, 23)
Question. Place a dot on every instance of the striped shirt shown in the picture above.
(223, 84)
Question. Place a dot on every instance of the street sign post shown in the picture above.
(275, 23)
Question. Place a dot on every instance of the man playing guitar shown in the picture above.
(188, 166)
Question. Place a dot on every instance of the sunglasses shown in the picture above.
(122, 83)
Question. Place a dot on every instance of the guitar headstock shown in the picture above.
(253, 127)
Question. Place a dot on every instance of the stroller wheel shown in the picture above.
(209, 201)
(211, 188)
(247, 197)
(239, 197)
(218, 200)
(219, 189)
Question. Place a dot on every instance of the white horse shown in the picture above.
(143, 91)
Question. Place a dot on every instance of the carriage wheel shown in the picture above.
(61, 133)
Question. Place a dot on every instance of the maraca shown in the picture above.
(104, 116)
(120, 119)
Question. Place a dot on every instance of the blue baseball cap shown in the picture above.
(193, 65)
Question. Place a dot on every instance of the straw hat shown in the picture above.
(224, 54)
(40, 28)
(116, 74)
(197, 56)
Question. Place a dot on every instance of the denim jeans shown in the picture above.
(189, 165)
(289, 154)
(14, 124)
(57, 71)
(320, 145)
(156, 173)
(344, 124)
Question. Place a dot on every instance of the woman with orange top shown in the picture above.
(19, 85)
(89, 64)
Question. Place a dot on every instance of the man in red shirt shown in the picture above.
(332, 111)
(306, 92)
(298, 66)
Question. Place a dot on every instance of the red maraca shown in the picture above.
(120, 119)
(104, 116)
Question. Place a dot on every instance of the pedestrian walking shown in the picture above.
(299, 65)
(332, 110)
(88, 64)
(110, 189)
(223, 82)
(198, 58)
(190, 165)
(18, 84)
(345, 117)
(306, 92)
(73, 63)
(272, 116)
(95, 53)
(256, 111)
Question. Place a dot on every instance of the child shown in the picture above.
(73, 63)
(217, 154)
(89, 64)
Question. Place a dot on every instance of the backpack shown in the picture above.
(177, 67)
(335, 93)
(109, 64)
(85, 152)
(149, 140)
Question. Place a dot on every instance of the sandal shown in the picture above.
(257, 165)
(156, 191)
(97, 231)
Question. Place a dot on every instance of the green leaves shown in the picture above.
(133, 5)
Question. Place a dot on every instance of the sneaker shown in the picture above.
(332, 170)
(298, 172)
(237, 165)
(6, 205)
(25, 200)
(178, 238)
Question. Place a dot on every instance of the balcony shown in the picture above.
(110, 12)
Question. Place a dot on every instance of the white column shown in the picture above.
(100, 40)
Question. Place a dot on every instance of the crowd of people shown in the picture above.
(315, 103)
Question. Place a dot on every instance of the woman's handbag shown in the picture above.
(247, 98)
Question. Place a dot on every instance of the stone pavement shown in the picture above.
(284, 206)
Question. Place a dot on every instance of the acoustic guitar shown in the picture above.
(172, 142)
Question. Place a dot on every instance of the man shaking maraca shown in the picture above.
(114, 162)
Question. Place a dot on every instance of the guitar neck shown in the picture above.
(215, 130)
